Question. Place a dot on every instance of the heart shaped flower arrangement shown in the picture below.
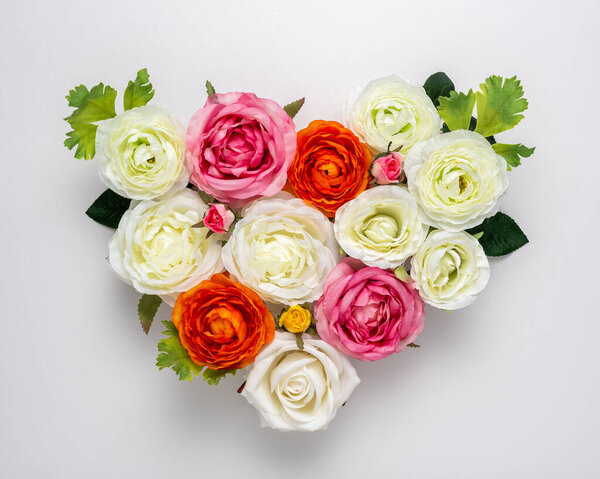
(284, 253)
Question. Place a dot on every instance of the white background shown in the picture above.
(508, 387)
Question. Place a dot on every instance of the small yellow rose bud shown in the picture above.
(296, 319)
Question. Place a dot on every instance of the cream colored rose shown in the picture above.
(141, 153)
(283, 249)
(450, 269)
(381, 226)
(391, 110)
(156, 249)
(457, 179)
(296, 390)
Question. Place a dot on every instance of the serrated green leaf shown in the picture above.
(147, 308)
(98, 104)
(83, 136)
(76, 95)
(438, 85)
(210, 90)
(513, 153)
(293, 108)
(456, 110)
(173, 355)
(138, 92)
(92, 106)
(499, 104)
(108, 209)
(501, 235)
(213, 376)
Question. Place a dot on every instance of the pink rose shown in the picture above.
(218, 218)
(387, 169)
(240, 147)
(367, 312)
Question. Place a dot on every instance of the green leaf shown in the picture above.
(76, 95)
(173, 355)
(108, 209)
(413, 345)
(501, 235)
(293, 108)
(138, 92)
(97, 104)
(478, 235)
(438, 85)
(213, 376)
(456, 110)
(83, 136)
(513, 153)
(147, 308)
(91, 107)
(299, 341)
(401, 273)
(210, 90)
(499, 104)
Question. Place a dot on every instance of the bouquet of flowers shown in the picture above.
(284, 253)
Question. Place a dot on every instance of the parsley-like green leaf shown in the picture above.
(213, 376)
(108, 209)
(501, 235)
(513, 153)
(138, 92)
(499, 104)
(83, 136)
(456, 110)
(147, 308)
(438, 85)
(76, 95)
(91, 107)
(293, 108)
(173, 355)
(210, 90)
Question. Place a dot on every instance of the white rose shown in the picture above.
(296, 390)
(450, 269)
(391, 110)
(283, 249)
(381, 226)
(156, 249)
(141, 153)
(457, 179)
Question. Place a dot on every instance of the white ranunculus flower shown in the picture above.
(450, 269)
(391, 110)
(381, 226)
(156, 249)
(141, 153)
(299, 390)
(283, 249)
(457, 179)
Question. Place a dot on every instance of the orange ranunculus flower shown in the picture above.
(331, 166)
(222, 324)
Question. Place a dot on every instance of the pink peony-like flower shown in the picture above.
(367, 312)
(387, 169)
(239, 147)
(218, 218)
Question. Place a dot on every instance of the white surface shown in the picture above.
(505, 388)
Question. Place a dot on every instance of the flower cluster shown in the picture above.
(283, 253)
